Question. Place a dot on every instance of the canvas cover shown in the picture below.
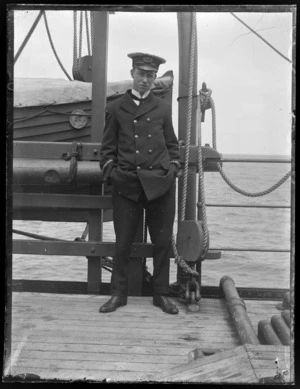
(29, 92)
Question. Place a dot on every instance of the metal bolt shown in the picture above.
(95, 151)
(93, 249)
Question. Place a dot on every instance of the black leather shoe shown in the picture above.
(113, 303)
(165, 304)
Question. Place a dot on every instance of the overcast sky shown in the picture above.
(251, 83)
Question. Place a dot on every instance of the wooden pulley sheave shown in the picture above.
(190, 240)
(82, 65)
(82, 69)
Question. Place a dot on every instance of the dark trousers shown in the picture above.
(160, 215)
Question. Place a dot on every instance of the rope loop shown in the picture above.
(223, 175)
(74, 156)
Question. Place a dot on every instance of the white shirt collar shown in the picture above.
(137, 94)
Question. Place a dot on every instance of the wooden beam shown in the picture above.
(82, 249)
(60, 201)
(79, 287)
(57, 215)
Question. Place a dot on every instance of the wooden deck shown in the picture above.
(65, 337)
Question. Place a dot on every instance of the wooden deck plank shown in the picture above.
(90, 365)
(108, 356)
(162, 343)
(126, 318)
(100, 325)
(184, 336)
(105, 348)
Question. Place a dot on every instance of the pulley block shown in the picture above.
(190, 240)
(82, 69)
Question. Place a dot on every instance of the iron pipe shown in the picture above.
(48, 171)
(256, 160)
(266, 334)
(237, 310)
(281, 329)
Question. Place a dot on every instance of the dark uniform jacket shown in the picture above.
(138, 147)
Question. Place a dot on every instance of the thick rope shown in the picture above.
(87, 33)
(201, 191)
(92, 30)
(189, 119)
(74, 38)
(80, 33)
(53, 48)
(223, 175)
(76, 55)
(181, 262)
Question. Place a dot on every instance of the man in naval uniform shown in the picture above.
(140, 158)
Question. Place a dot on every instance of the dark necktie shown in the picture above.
(136, 98)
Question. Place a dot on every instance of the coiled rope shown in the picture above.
(223, 175)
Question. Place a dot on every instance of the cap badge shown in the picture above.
(147, 59)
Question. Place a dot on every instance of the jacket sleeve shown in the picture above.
(171, 139)
(108, 151)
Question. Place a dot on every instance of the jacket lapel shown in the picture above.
(128, 104)
(147, 106)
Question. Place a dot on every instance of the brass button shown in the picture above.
(150, 167)
(149, 136)
(136, 136)
(150, 151)
(148, 119)
(137, 151)
(138, 167)
(135, 121)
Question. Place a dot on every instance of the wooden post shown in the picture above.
(184, 20)
(99, 78)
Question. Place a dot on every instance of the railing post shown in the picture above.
(184, 20)
(99, 77)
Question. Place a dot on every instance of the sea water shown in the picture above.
(229, 228)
